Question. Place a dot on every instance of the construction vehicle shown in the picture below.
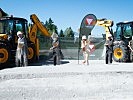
(121, 38)
(9, 26)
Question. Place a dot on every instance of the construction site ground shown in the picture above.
(71, 80)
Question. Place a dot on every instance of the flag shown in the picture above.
(87, 24)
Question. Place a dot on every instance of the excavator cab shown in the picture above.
(124, 31)
(9, 26)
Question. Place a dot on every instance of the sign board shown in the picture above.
(87, 24)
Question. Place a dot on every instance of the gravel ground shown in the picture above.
(69, 81)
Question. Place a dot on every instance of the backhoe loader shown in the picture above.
(9, 26)
(123, 42)
(122, 37)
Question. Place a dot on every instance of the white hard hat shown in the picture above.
(109, 35)
(19, 32)
(83, 37)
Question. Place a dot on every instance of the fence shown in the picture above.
(70, 47)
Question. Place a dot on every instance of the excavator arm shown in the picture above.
(37, 25)
(107, 24)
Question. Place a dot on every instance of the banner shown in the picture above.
(87, 24)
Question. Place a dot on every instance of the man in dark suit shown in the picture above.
(109, 49)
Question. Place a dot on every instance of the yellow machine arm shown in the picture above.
(107, 24)
(37, 25)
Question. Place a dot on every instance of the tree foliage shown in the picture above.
(51, 26)
(61, 33)
(69, 32)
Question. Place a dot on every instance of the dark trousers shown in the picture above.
(108, 58)
(55, 58)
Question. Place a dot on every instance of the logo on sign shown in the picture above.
(89, 22)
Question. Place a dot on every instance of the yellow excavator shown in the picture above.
(9, 26)
(122, 39)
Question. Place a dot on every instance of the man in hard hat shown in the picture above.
(109, 49)
(22, 50)
(56, 49)
(85, 49)
(130, 45)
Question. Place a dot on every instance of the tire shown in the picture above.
(31, 53)
(120, 53)
(5, 55)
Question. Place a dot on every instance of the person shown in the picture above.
(22, 50)
(130, 45)
(109, 49)
(85, 49)
(56, 49)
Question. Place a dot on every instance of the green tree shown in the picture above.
(51, 26)
(61, 33)
(69, 32)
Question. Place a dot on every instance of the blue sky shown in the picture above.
(69, 13)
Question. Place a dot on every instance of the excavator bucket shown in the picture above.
(87, 24)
